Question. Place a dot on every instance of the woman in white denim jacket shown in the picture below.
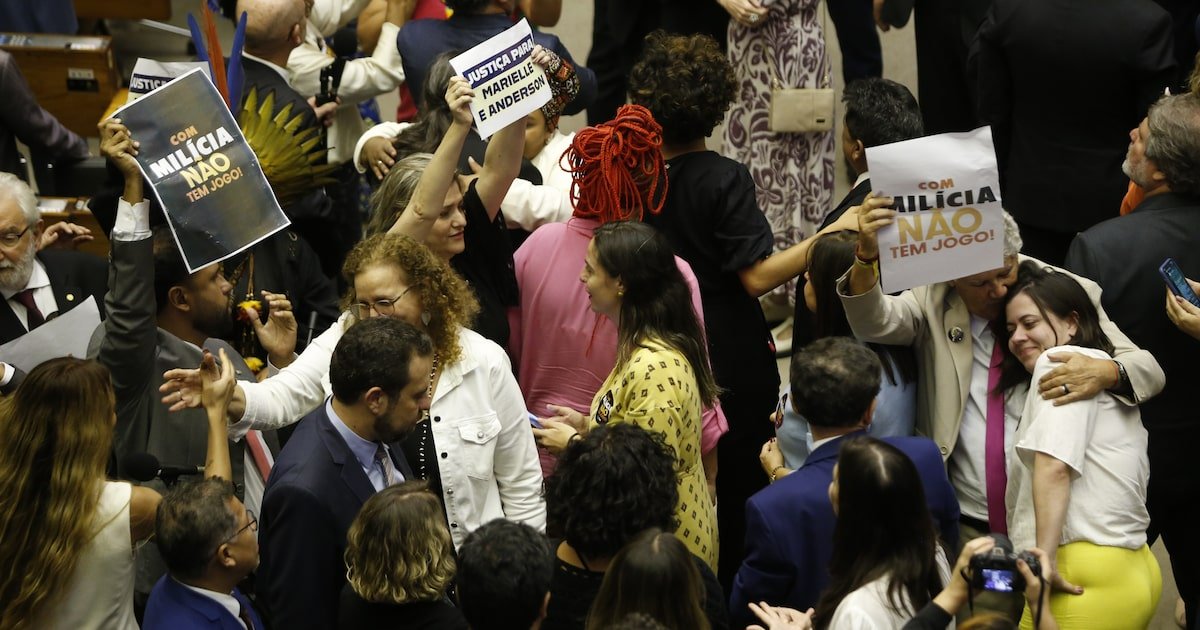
(478, 449)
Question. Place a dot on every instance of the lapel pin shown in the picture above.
(70, 297)
(956, 334)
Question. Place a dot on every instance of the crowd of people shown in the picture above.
(548, 396)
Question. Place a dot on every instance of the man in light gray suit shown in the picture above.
(163, 318)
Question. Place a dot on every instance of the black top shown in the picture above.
(487, 265)
(713, 221)
(355, 613)
(573, 590)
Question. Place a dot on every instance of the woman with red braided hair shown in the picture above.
(563, 351)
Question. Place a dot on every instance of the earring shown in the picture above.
(620, 293)
(426, 316)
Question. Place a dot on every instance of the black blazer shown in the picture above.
(1123, 255)
(1063, 82)
(315, 491)
(855, 197)
(73, 277)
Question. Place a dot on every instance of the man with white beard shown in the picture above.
(38, 285)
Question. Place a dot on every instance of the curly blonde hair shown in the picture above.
(444, 295)
(55, 436)
(398, 548)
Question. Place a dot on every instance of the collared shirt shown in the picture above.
(363, 450)
(283, 72)
(226, 600)
(43, 295)
(862, 177)
(822, 442)
(967, 460)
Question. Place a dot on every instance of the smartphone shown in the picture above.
(1176, 282)
(998, 580)
(534, 422)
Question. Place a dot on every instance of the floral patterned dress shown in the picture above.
(793, 172)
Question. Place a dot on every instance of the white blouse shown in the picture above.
(1103, 443)
(869, 608)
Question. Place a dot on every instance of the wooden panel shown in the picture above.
(74, 78)
(76, 211)
(123, 9)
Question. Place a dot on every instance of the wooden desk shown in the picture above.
(75, 210)
(123, 9)
(73, 78)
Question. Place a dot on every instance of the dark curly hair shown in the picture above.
(611, 485)
(686, 82)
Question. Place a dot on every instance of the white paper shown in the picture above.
(947, 194)
(64, 336)
(508, 84)
(149, 75)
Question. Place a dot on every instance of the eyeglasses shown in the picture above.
(385, 308)
(10, 240)
(251, 525)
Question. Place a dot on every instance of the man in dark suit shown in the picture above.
(38, 285)
(338, 457)
(1123, 255)
(1060, 155)
(878, 111)
(273, 29)
(160, 319)
(22, 118)
(207, 538)
(789, 524)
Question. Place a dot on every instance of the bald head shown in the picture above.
(272, 26)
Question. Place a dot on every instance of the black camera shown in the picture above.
(996, 569)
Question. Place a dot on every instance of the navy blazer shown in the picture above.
(421, 41)
(315, 491)
(173, 606)
(789, 528)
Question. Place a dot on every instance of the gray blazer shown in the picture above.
(137, 352)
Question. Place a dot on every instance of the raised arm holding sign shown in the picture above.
(945, 190)
(507, 82)
(206, 177)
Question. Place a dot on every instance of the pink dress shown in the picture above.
(563, 351)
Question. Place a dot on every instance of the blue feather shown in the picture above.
(236, 78)
(197, 38)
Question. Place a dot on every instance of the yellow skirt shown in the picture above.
(1121, 588)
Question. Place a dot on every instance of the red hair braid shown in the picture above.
(617, 167)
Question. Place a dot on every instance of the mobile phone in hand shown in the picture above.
(1176, 281)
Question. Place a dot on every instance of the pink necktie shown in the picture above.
(258, 452)
(994, 466)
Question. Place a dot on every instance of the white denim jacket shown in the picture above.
(490, 466)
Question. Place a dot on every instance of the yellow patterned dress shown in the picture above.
(657, 391)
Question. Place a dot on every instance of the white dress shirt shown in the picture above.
(967, 461)
(43, 295)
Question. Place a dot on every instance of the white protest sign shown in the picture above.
(508, 84)
(64, 336)
(947, 196)
(149, 75)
